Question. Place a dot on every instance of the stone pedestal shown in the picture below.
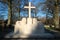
(24, 21)
(19, 24)
(16, 28)
(34, 20)
(29, 20)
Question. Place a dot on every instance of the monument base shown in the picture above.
(30, 29)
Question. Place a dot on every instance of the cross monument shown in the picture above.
(29, 7)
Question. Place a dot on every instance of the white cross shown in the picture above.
(29, 7)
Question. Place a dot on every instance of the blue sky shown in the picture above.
(40, 13)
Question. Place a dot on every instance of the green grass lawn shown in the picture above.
(52, 28)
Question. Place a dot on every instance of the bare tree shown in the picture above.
(14, 8)
(53, 8)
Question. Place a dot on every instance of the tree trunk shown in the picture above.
(19, 10)
(56, 17)
(47, 16)
(9, 12)
(35, 13)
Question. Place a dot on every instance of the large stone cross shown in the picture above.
(29, 7)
